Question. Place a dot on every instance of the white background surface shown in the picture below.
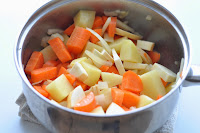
(14, 14)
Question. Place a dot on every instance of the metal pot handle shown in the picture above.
(194, 74)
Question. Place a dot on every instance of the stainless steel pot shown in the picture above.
(164, 29)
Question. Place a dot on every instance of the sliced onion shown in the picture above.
(105, 26)
(123, 26)
(37, 82)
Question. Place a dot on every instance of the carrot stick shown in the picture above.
(112, 27)
(41, 91)
(104, 18)
(117, 96)
(131, 82)
(69, 30)
(71, 78)
(51, 63)
(155, 56)
(125, 108)
(159, 97)
(78, 40)
(87, 104)
(164, 83)
(104, 68)
(130, 99)
(65, 65)
(43, 74)
(113, 69)
(62, 70)
(60, 49)
(84, 86)
(36, 61)
(98, 22)
(93, 38)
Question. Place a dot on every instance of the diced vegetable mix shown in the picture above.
(98, 65)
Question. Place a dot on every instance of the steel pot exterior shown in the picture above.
(56, 14)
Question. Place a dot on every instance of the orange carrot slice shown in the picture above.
(159, 97)
(155, 56)
(112, 27)
(84, 86)
(117, 96)
(130, 99)
(98, 22)
(69, 30)
(87, 104)
(41, 91)
(43, 74)
(125, 108)
(104, 68)
(104, 18)
(60, 49)
(131, 82)
(113, 69)
(62, 70)
(71, 78)
(36, 61)
(93, 38)
(164, 83)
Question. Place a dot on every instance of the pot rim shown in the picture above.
(157, 8)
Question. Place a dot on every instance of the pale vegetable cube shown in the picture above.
(144, 55)
(117, 44)
(144, 100)
(129, 52)
(53, 31)
(102, 85)
(166, 74)
(111, 78)
(127, 34)
(100, 100)
(146, 45)
(90, 47)
(59, 88)
(108, 97)
(84, 18)
(79, 72)
(107, 38)
(130, 65)
(97, 53)
(107, 56)
(95, 89)
(118, 62)
(48, 54)
(93, 73)
(56, 35)
(97, 60)
(152, 84)
(114, 109)
(170, 87)
(75, 96)
(98, 110)
(77, 60)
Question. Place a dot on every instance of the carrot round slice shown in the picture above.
(87, 104)
(117, 96)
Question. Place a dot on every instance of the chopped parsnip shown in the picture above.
(127, 34)
(130, 65)
(146, 45)
(118, 62)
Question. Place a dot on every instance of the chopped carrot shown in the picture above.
(78, 40)
(104, 18)
(164, 83)
(117, 96)
(51, 63)
(62, 70)
(98, 22)
(87, 104)
(71, 78)
(112, 27)
(41, 91)
(60, 49)
(120, 86)
(69, 30)
(65, 65)
(130, 99)
(43, 74)
(93, 38)
(131, 82)
(84, 86)
(113, 69)
(104, 68)
(125, 108)
(36, 61)
(159, 97)
(155, 56)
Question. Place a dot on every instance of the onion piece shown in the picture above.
(53, 31)
(123, 26)
(37, 82)
(107, 38)
(102, 85)
(105, 26)
(103, 42)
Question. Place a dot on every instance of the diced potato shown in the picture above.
(107, 38)
(95, 89)
(146, 45)
(107, 56)
(97, 60)
(79, 72)
(144, 55)
(166, 74)
(77, 60)
(56, 35)
(144, 100)
(84, 18)
(129, 52)
(75, 96)
(130, 65)
(118, 62)
(117, 44)
(114, 109)
(170, 87)
(98, 110)
(90, 47)
(108, 98)
(59, 88)
(152, 84)
(48, 54)
(93, 73)
(97, 53)
(102, 85)
(111, 78)
(127, 34)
